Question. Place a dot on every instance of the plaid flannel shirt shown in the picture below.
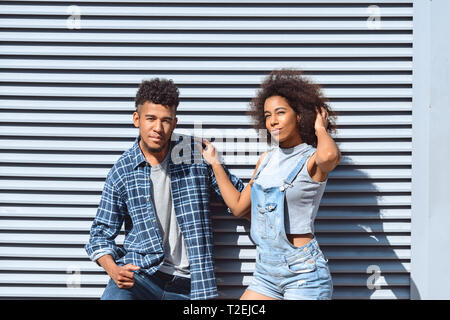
(126, 199)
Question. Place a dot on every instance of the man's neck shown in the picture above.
(154, 158)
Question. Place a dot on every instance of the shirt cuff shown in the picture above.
(100, 253)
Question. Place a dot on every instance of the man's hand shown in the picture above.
(123, 276)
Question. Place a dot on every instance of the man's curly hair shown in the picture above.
(301, 94)
(158, 91)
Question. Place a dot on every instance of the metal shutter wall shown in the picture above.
(66, 104)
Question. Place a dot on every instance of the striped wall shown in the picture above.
(69, 75)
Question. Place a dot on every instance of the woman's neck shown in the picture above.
(289, 143)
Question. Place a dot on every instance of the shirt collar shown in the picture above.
(136, 154)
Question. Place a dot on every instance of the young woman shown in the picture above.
(287, 185)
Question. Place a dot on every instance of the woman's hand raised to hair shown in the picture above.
(321, 118)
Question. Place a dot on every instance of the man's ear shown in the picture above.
(136, 119)
(175, 121)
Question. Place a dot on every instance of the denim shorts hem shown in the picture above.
(260, 290)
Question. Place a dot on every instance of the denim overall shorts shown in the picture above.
(284, 271)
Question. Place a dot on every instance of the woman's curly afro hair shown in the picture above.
(302, 96)
(158, 91)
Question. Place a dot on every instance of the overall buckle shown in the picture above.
(286, 185)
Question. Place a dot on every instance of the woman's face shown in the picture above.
(282, 122)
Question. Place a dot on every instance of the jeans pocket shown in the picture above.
(302, 265)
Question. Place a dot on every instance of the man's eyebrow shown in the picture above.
(152, 115)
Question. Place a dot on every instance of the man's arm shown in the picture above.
(107, 223)
(102, 247)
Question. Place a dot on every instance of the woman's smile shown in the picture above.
(275, 131)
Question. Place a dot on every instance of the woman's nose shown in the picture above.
(273, 120)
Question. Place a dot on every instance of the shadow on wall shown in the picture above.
(415, 294)
(362, 227)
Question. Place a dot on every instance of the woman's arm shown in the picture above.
(238, 202)
(327, 155)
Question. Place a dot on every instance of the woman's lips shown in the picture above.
(275, 131)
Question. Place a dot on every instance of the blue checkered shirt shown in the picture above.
(126, 198)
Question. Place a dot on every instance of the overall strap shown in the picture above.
(288, 181)
(263, 164)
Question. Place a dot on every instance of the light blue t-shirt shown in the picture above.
(303, 198)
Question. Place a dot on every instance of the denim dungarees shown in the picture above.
(282, 270)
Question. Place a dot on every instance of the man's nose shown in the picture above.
(158, 126)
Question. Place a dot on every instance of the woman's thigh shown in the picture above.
(252, 295)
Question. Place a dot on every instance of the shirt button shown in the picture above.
(306, 249)
(148, 199)
(311, 261)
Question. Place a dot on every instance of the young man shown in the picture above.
(164, 204)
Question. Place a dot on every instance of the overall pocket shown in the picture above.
(266, 221)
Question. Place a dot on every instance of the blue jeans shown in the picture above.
(160, 286)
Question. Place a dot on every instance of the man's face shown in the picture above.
(156, 124)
